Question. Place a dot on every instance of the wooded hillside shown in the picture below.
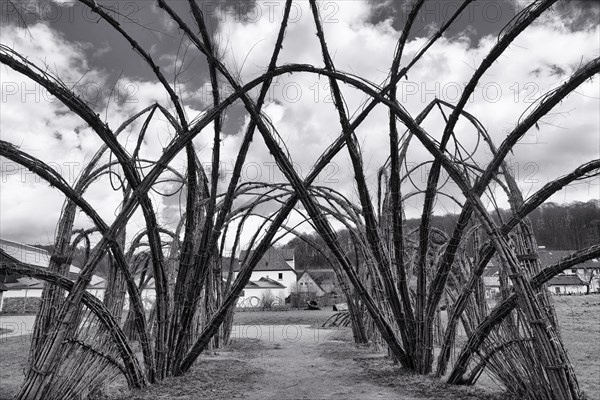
(572, 226)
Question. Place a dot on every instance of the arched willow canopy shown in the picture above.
(396, 281)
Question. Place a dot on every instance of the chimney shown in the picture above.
(290, 258)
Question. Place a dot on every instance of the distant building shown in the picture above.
(26, 289)
(573, 280)
(3, 289)
(274, 275)
(567, 284)
(319, 282)
(256, 291)
(491, 281)
(588, 272)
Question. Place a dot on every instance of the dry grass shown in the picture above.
(13, 360)
(233, 372)
(213, 377)
(314, 318)
(579, 318)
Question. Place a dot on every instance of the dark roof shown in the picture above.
(566, 280)
(264, 283)
(226, 261)
(30, 255)
(321, 276)
(225, 264)
(25, 283)
(491, 270)
(272, 260)
(549, 257)
(24, 253)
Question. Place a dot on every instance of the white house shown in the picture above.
(491, 280)
(3, 289)
(148, 294)
(588, 272)
(274, 275)
(567, 284)
(317, 281)
(573, 280)
(256, 292)
(19, 286)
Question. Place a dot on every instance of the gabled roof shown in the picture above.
(272, 260)
(491, 270)
(25, 283)
(321, 276)
(226, 263)
(547, 257)
(264, 283)
(572, 280)
(3, 287)
(25, 254)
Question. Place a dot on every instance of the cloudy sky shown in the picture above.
(68, 40)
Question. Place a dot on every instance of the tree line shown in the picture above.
(569, 226)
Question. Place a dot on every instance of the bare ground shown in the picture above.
(297, 362)
(283, 355)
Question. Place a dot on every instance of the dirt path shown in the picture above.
(285, 362)
(296, 364)
(268, 362)
(293, 362)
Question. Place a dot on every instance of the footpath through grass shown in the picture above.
(246, 368)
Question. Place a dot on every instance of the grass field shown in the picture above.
(246, 368)
(579, 318)
(297, 317)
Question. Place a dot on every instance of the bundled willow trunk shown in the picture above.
(518, 356)
(410, 290)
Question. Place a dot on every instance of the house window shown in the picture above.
(557, 290)
(267, 263)
(280, 277)
(243, 293)
(574, 270)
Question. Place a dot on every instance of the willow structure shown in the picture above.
(412, 289)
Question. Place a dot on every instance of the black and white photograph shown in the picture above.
(300, 199)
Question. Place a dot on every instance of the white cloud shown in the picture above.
(544, 56)
(40, 125)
